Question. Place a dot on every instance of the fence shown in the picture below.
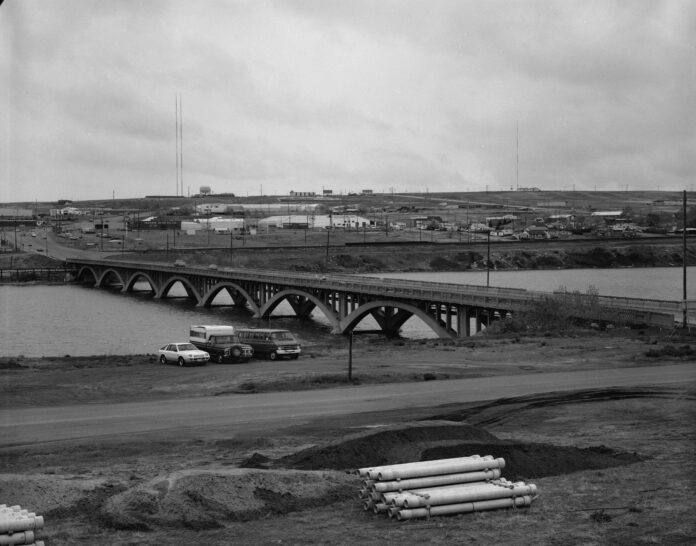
(53, 274)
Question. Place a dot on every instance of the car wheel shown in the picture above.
(181, 361)
(163, 359)
(273, 355)
(220, 359)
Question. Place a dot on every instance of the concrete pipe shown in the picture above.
(466, 494)
(373, 473)
(21, 524)
(435, 481)
(436, 468)
(397, 498)
(393, 511)
(25, 537)
(461, 508)
(380, 507)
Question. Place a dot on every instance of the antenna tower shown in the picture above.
(179, 133)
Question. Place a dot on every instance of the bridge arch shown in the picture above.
(108, 272)
(133, 278)
(84, 270)
(353, 319)
(330, 314)
(209, 296)
(188, 286)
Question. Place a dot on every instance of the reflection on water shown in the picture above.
(76, 320)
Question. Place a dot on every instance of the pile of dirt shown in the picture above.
(47, 494)
(391, 445)
(529, 461)
(425, 442)
(204, 499)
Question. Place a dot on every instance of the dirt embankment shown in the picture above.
(555, 255)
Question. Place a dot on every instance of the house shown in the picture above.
(538, 232)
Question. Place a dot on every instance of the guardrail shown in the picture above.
(34, 274)
(395, 288)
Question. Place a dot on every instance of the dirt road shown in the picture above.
(269, 411)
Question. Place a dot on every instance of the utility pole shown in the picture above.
(488, 262)
(684, 310)
(350, 356)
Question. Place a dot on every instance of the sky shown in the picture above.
(389, 95)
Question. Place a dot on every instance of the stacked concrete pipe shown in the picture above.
(442, 487)
(19, 526)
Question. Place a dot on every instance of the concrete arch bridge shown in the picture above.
(450, 310)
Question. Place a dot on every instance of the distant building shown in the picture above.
(607, 213)
(214, 208)
(286, 208)
(17, 213)
(538, 232)
(552, 204)
(318, 221)
(302, 194)
(216, 224)
(327, 193)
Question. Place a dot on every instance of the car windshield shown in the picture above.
(282, 336)
(225, 339)
(186, 347)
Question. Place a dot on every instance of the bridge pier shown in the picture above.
(391, 319)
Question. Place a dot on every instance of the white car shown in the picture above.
(183, 354)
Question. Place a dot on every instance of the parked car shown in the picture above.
(270, 342)
(221, 342)
(180, 263)
(183, 354)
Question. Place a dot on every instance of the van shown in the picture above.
(221, 342)
(270, 342)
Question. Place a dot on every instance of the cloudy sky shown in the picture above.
(389, 95)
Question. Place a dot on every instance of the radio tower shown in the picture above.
(179, 133)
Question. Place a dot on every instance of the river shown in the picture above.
(58, 320)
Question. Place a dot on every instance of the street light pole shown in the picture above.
(488, 262)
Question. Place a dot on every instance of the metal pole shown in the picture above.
(684, 310)
(488, 262)
(350, 356)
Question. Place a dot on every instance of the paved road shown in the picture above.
(262, 412)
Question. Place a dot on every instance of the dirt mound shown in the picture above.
(528, 461)
(391, 446)
(424, 442)
(204, 499)
(45, 494)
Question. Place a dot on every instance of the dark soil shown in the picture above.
(427, 443)
(528, 461)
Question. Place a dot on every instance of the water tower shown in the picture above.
(205, 190)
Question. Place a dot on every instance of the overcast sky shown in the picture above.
(388, 95)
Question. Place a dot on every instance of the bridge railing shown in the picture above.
(406, 288)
